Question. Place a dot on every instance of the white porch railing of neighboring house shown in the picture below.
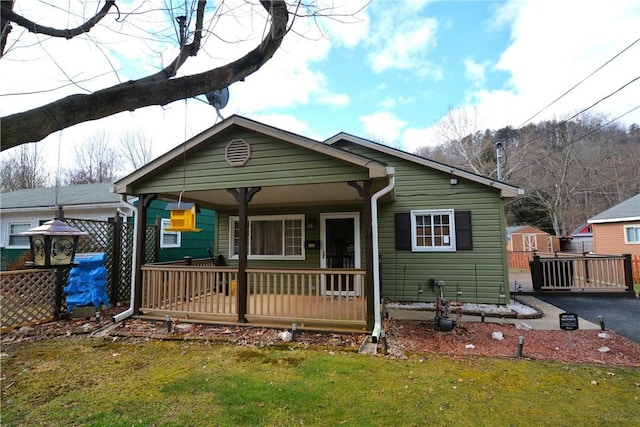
(326, 297)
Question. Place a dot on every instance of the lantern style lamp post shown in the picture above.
(53, 244)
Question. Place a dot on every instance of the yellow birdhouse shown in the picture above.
(183, 216)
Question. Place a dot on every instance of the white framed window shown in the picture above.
(433, 230)
(270, 237)
(14, 239)
(632, 234)
(169, 239)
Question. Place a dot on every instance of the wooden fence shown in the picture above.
(521, 261)
(584, 273)
(36, 295)
(28, 297)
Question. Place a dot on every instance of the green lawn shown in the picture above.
(76, 381)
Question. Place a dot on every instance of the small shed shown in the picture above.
(526, 238)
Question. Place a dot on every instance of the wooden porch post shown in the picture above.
(144, 200)
(628, 274)
(368, 243)
(243, 197)
(536, 273)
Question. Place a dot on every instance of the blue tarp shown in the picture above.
(87, 283)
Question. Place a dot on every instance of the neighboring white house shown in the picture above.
(24, 209)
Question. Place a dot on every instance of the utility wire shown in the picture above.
(534, 138)
(579, 83)
(577, 138)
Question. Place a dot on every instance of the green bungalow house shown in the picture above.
(318, 234)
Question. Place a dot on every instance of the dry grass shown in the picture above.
(136, 381)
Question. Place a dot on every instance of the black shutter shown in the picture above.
(403, 231)
(464, 242)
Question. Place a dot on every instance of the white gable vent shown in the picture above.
(238, 152)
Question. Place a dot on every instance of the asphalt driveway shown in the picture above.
(620, 315)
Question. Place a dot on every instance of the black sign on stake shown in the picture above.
(569, 322)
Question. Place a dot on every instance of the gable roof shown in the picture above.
(96, 195)
(376, 169)
(582, 231)
(629, 210)
(506, 190)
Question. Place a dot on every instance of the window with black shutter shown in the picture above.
(430, 231)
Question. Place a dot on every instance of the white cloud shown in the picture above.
(383, 127)
(286, 122)
(474, 71)
(412, 139)
(405, 47)
(551, 52)
(554, 45)
(349, 23)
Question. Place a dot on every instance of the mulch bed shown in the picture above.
(403, 338)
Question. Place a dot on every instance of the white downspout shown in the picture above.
(128, 312)
(377, 325)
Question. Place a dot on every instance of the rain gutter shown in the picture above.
(377, 324)
(134, 266)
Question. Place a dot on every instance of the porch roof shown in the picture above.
(285, 175)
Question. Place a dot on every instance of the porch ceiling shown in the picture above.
(309, 194)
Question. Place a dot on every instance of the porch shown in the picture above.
(311, 298)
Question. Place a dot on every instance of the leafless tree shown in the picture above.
(570, 171)
(136, 149)
(465, 145)
(95, 161)
(193, 23)
(23, 169)
(574, 170)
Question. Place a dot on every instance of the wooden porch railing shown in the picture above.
(558, 271)
(328, 297)
(180, 290)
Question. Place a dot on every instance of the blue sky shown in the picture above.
(389, 72)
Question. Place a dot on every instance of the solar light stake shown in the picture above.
(169, 321)
(294, 328)
(482, 317)
(520, 345)
(601, 320)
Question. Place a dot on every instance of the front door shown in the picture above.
(340, 249)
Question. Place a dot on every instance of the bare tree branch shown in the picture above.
(6, 9)
(158, 89)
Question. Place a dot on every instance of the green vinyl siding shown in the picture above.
(478, 272)
(272, 163)
(193, 244)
